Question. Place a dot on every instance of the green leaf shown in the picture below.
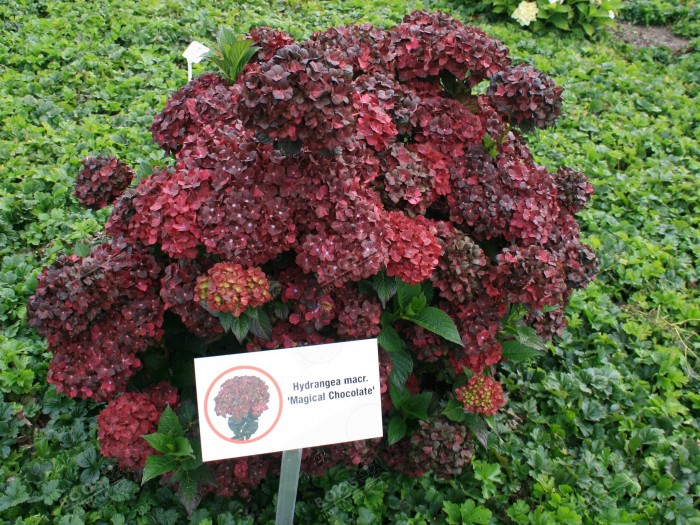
(471, 513)
(438, 322)
(390, 340)
(384, 286)
(560, 21)
(417, 406)
(515, 351)
(157, 465)
(477, 427)
(161, 442)
(398, 395)
(454, 411)
(406, 293)
(169, 423)
(453, 511)
(81, 249)
(240, 326)
(261, 325)
(226, 320)
(416, 306)
(402, 368)
(527, 336)
(188, 491)
(396, 430)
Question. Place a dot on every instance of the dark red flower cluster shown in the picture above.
(574, 189)
(204, 100)
(101, 180)
(481, 395)
(428, 43)
(237, 477)
(128, 417)
(242, 396)
(438, 446)
(269, 41)
(317, 461)
(97, 313)
(228, 287)
(299, 95)
(525, 96)
(178, 293)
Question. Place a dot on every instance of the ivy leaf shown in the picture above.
(384, 286)
(260, 325)
(390, 340)
(396, 430)
(438, 322)
(515, 351)
(240, 327)
(169, 424)
(157, 465)
(406, 293)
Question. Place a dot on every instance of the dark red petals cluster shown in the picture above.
(97, 313)
(101, 180)
(242, 396)
(438, 446)
(128, 417)
(481, 395)
(525, 96)
(237, 477)
(205, 100)
(299, 94)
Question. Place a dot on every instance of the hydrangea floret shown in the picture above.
(481, 395)
(101, 180)
(525, 13)
(300, 197)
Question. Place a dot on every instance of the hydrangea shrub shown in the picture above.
(349, 186)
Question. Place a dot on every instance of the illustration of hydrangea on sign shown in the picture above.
(364, 183)
(242, 400)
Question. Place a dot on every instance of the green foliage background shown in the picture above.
(601, 429)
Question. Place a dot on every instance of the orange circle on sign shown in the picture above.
(206, 404)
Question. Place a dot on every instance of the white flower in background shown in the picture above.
(611, 14)
(597, 2)
(525, 13)
(552, 2)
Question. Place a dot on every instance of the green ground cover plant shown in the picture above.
(601, 429)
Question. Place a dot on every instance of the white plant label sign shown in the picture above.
(276, 400)
(194, 54)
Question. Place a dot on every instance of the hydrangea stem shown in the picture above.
(289, 480)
